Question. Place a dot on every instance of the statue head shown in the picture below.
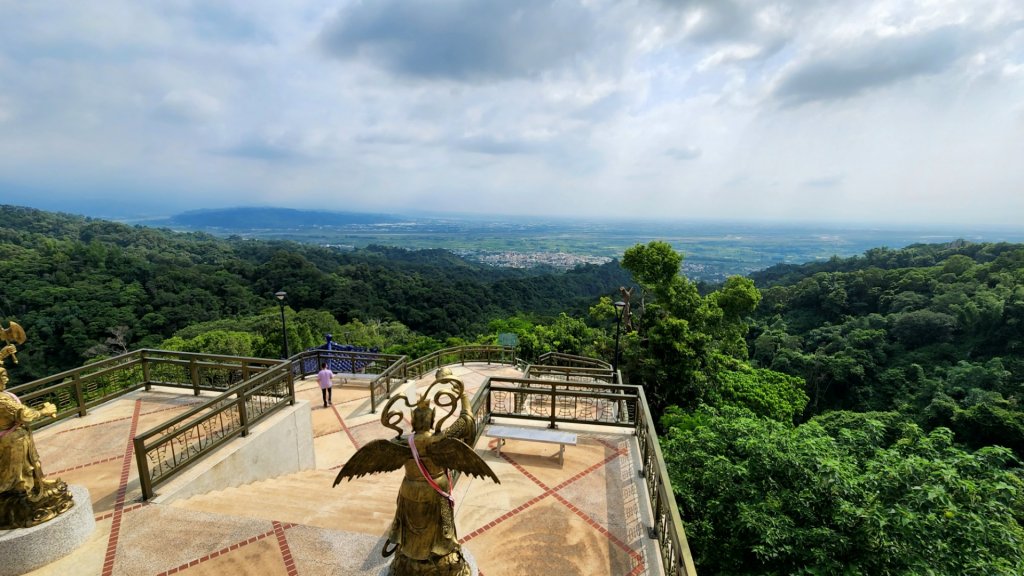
(422, 416)
(3, 377)
(445, 372)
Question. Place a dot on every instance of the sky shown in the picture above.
(820, 111)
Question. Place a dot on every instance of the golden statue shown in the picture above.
(422, 535)
(27, 498)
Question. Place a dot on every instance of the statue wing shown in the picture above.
(377, 456)
(13, 333)
(454, 454)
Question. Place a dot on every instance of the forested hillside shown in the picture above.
(933, 331)
(83, 287)
(877, 427)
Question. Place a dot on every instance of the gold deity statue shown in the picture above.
(27, 498)
(423, 536)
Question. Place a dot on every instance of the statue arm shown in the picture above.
(464, 428)
(22, 414)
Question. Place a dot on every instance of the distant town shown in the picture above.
(513, 259)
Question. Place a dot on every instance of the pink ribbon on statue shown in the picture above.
(426, 474)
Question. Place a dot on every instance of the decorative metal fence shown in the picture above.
(668, 524)
(171, 447)
(74, 392)
(563, 359)
(559, 401)
(460, 355)
(570, 373)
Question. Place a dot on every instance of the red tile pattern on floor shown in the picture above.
(637, 558)
(286, 552)
(126, 468)
(345, 427)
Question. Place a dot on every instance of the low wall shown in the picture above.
(283, 444)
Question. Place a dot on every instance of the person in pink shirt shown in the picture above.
(324, 377)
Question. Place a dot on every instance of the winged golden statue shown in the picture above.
(422, 536)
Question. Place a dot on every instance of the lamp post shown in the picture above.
(284, 330)
(619, 306)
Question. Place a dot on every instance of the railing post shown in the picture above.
(552, 424)
(291, 387)
(79, 396)
(145, 369)
(145, 480)
(243, 415)
(193, 369)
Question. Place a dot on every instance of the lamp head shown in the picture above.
(280, 295)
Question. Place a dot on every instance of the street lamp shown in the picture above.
(619, 307)
(284, 330)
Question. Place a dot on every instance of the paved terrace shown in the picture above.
(585, 517)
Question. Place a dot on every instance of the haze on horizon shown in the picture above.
(802, 110)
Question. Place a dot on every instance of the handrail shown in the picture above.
(555, 402)
(563, 359)
(169, 448)
(571, 372)
(75, 391)
(460, 355)
(668, 524)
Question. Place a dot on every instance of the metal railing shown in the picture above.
(563, 359)
(388, 369)
(668, 524)
(170, 448)
(75, 391)
(460, 355)
(557, 402)
(570, 373)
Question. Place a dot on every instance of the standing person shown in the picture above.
(324, 376)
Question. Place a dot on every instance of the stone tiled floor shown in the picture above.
(586, 516)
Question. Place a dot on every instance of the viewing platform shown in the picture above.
(589, 515)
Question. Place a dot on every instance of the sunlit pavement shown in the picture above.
(587, 516)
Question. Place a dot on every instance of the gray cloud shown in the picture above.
(684, 153)
(875, 63)
(824, 182)
(465, 40)
(188, 105)
(256, 149)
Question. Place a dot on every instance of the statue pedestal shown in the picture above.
(26, 549)
(473, 571)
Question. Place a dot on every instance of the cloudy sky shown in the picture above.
(870, 111)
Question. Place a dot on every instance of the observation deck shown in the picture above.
(594, 514)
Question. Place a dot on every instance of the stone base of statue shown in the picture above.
(451, 565)
(25, 549)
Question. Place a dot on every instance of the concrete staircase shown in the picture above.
(364, 505)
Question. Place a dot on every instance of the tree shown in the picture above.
(875, 495)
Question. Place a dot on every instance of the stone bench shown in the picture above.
(547, 435)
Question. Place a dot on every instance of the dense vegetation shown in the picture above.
(876, 427)
(84, 287)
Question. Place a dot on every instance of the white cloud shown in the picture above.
(189, 105)
(866, 109)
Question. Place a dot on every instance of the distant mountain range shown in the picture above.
(250, 218)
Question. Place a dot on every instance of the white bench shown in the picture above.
(547, 435)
